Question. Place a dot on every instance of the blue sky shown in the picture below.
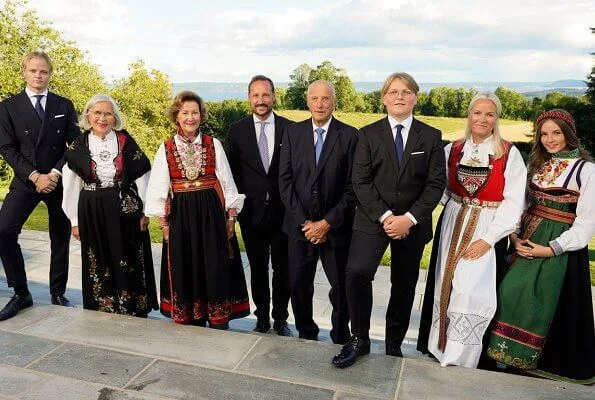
(436, 41)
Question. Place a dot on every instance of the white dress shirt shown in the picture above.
(33, 99)
(269, 131)
(325, 127)
(405, 135)
(159, 183)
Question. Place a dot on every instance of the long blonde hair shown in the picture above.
(496, 137)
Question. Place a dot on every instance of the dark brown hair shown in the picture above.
(181, 98)
(539, 155)
(262, 78)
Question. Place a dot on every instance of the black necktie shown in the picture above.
(399, 143)
(38, 107)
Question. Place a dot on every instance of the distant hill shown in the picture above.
(217, 91)
(569, 83)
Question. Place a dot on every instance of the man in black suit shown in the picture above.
(253, 146)
(399, 175)
(35, 128)
(315, 184)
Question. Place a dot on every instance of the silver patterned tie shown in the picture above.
(263, 146)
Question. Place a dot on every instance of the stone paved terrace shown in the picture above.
(51, 352)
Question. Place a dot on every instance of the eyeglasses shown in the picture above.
(405, 93)
(98, 114)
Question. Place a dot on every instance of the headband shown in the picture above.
(558, 114)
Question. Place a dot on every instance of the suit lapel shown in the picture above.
(389, 144)
(307, 144)
(30, 118)
(51, 105)
(329, 142)
(278, 137)
(412, 139)
(252, 146)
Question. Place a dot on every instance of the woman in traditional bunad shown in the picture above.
(544, 323)
(102, 165)
(484, 199)
(193, 193)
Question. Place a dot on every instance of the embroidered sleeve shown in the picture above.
(583, 228)
(233, 199)
(158, 188)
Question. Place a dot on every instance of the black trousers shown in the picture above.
(261, 242)
(303, 257)
(364, 256)
(17, 207)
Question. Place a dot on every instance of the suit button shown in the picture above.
(314, 191)
(398, 193)
(58, 131)
(53, 147)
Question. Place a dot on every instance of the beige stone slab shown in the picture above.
(309, 363)
(422, 379)
(161, 338)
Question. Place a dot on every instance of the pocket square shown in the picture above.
(417, 152)
(59, 116)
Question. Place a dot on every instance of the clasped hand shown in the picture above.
(397, 226)
(46, 183)
(316, 232)
(527, 249)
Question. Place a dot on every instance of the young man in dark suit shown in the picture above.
(315, 184)
(35, 128)
(253, 146)
(399, 175)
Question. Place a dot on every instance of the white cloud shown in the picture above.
(436, 41)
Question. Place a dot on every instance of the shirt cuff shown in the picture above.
(411, 217)
(556, 247)
(384, 216)
(32, 173)
(56, 171)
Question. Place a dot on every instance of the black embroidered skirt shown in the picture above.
(117, 265)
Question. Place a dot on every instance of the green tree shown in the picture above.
(346, 95)
(143, 97)
(280, 102)
(591, 80)
(295, 97)
(22, 31)
(514, 104)
(220, 115)
(374, 101)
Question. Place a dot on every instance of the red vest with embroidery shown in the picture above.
(207, 154)
(490, 185)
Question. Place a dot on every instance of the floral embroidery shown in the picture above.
(502, 356)
(138, 155)
(550, 171)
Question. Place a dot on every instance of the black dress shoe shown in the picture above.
(16, 304)
(354, 348)
(60, 300)
(282, 328)
(262, 326)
